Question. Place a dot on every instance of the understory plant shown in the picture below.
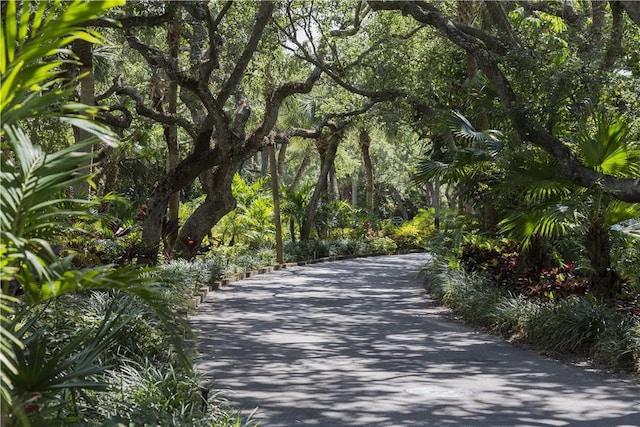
(67, 327)
(574, 323)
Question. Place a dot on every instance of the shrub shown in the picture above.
(570, 325)
(408, 236)
(348, 247)
(151, 394)
(499, 263)
(381, 245)
(467, 293)
(575, 324)
(306, 250)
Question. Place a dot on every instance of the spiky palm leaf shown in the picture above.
(427, 169)
(488, 141)
(544, 219)
(531, 175)
(9, 344)
(465, 162)
(631, 228)
(618, 212)
(31, 87)
(608, 147)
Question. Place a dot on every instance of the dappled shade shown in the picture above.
(358, 343)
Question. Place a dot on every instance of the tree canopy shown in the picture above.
(218, 78)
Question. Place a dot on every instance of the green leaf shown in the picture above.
(10, 29)
(618, 211)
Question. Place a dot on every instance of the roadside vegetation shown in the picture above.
(548, 308)
(150, 149)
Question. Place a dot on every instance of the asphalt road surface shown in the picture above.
(358, 343)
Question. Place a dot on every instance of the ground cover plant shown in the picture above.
(84, 342)
(549, 309)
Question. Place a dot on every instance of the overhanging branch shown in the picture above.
(154, 115)
(624, 189)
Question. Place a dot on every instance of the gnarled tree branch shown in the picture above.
(155, 115)
(624, 189)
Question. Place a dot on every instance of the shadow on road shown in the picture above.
(358, 343)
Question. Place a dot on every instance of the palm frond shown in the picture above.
(534, 177)
(427, 169)
(617, 212)
(31, 185)
(28, 83)
(8, 341)
(631, 228)
(545, 220)
(490, 140)
(609, 148)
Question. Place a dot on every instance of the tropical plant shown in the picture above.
(294, 206)
(251, 221)
(39, 377)
(554, 207)
(473, 165)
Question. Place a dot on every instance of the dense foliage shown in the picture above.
(502, 135)
(549, 310)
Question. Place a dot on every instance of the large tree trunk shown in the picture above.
(329, 148)
(218, 203)
(334, 193)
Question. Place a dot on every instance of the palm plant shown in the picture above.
(554, 207)
(295, 205)
(41, 373)
(546, 206)
(473, 165)
(462, 163)
(250, 221)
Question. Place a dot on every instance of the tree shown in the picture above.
(327, 145)
(40, 371)
(488, 51)
(223, 138)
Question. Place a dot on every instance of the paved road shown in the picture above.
(358, 343)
